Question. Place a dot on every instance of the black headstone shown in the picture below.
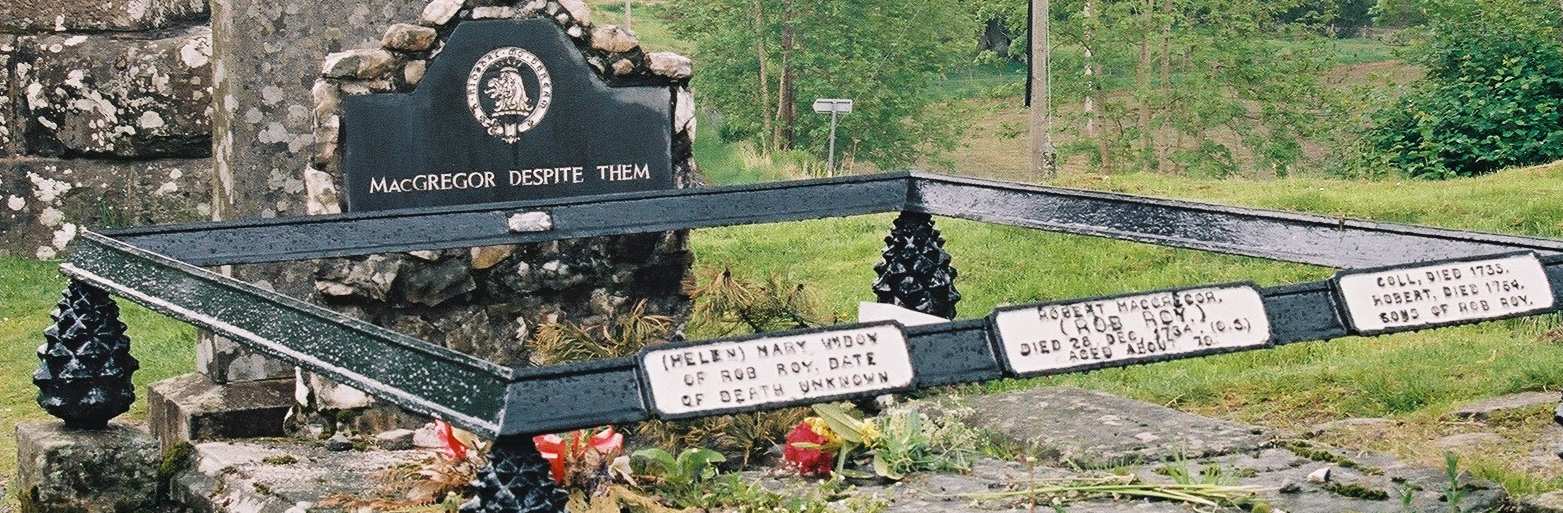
(509, 110)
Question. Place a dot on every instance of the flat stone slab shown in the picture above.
(1098, 430)
(279, 476)
(1485, 409)
(192, 408)
(1545, 503)
(1085, 430)
(294, 476)
(1366, 484)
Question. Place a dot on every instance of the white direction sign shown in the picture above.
(829, 105)
(1114, 331)
(1381, 301)
(807, 366)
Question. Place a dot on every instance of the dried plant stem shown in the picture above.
(1201, 494)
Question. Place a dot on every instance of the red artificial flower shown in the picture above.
(609, 443)
(458, 450)
(813, 458)
(552, 449)
(562, 453)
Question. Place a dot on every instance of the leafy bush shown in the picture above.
(1493, 96)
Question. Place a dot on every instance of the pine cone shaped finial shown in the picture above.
(516, 480)
(916, 273)
(85, 366)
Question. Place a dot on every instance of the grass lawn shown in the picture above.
(648, 22)
(1413, 377)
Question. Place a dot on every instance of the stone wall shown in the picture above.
(487, 301)
(282, 71)
(104, 118)
(136, 112)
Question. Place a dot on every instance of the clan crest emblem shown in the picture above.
(509, 91)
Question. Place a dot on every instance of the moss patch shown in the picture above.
(176, 459)
(282, 459)
(1315, 453)
(1356, 491)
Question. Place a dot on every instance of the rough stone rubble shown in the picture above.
(104, 118)
(483, 301)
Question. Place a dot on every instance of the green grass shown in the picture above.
(1520, 202)
(1297, 384)
(28, 292)
(980, 79)
(1361, 51)
(998, 265)
(1391, 376)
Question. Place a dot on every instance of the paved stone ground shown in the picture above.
(1280, 474)
(1098, 430)
(1075, 430)
(1482, 410)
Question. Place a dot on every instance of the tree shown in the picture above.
(763, 62)
(1492, 97)
(1187, 85)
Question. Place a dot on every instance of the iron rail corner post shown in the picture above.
(516, 480)
(85, 365)
(916, 273)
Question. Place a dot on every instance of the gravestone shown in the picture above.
(290, 79)
(509, 111)
(486, 103)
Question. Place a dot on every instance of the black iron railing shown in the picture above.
(158, 267)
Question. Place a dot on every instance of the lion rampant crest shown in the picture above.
(508, 90)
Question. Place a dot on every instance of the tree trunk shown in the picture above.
(767, 138)
(1143, 73)
(1093, 129)
(1178, 141)
(786, 102)
(1166, 86)
(996, 37)
(628, 19)
(1044, 156)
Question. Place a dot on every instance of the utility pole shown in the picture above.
(1044, 156)
(627, 17)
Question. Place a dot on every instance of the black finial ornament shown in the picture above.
(85, 365)
(916, 272)
(516, 480)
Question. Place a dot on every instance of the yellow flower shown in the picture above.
(869, 433)
(821, 428)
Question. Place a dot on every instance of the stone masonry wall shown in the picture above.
(108, 110)
(104, 118)
(488, 301)
(281, 70)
